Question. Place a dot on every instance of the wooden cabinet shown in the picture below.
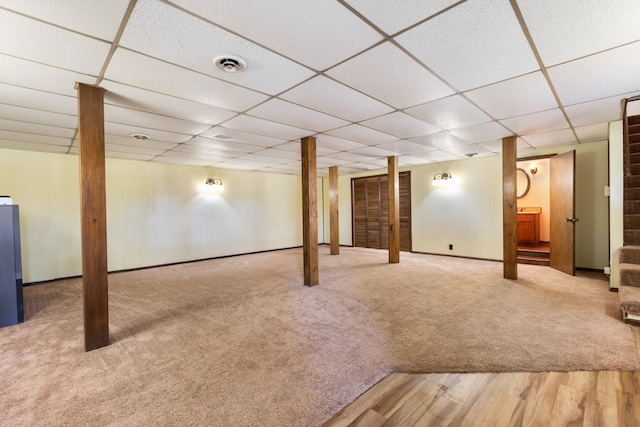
(529, 228)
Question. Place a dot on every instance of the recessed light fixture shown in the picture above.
(140, 136)
(222, 136)
(230, 63)
(471, 154)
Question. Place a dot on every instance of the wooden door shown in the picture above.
(370, 209)
(562, 215)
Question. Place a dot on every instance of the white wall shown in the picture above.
(156, 213)
(469, 214)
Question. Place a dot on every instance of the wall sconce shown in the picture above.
(441, 178)
(533, 168)
(215, 183)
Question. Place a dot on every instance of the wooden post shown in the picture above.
(394, 210)
(309, 211)
(509, 208)
(334, 226)
(93, 217)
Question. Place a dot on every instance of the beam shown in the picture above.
(394, 210)
(333, 211)
(309, 212)
(509, 208)
(93, 216)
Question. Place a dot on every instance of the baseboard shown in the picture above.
(456, 256)
(163, 265)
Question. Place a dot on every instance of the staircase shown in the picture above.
(632, 185)
(628, 256)
(538, 255)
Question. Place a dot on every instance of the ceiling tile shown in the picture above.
(515, 97)
(481, 133)
(162, 77)
(201, 156)
(538, 122)
(15, 126)
(294, 146)
(35, 139)
(98, 19)
(383, 72)
(155, 134)
(449, 113)
(374, 152)
(27, 146)
(36, 41)
(138, 99)
(437, 156)
(127, 156)
(199, 144)
(117, 148)
(28, 74)
(327, 162)
(440, 140)
(597, 132)
(546, 139)
(335, 143)
(362, 134)
(350, 157)
(128, 140)
(365, 166)
(496, 146)
(264, 159)
(265, 127)
(300, 35)
(470, 150)
(28, 115)
(295, 115)
(601, 75)
(162, 31)
(404, 147)
(411, 160)
(485, 33)
(189, 162)
(126, 116)
(283, 154)
(243, 163)
(391, 17)
(601, 110)
(569, 29)
(400, 125)
(22, 97)
(223, 133)
(328, 96)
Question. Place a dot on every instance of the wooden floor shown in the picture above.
(593, 398)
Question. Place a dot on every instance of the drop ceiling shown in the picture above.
(427, 81)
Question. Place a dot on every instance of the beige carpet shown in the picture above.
(239, 341)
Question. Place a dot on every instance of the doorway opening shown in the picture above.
(534, 209)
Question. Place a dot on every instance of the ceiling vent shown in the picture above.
(230, 63)
(140, 136)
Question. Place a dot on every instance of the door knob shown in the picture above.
(571, 219)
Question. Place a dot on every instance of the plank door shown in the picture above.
(370, 207)
(562, 215)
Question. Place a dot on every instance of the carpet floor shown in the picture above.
(240, 342)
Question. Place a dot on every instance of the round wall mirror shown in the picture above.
(523, 183)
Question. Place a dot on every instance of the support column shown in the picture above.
(509, 208)
(93, 216)
(309, 211)
(394, 210)
(334, 226)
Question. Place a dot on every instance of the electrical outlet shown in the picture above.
(607, 270)
(450, 247)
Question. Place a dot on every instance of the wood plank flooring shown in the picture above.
(584, 398)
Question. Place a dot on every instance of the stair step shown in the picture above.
(631, 221)
(533, 260)
(631, 206)
(629, 298)
(629, 274)
(533, 253)
(632, 237)
(632, 181)
(632, 193)
(629, 254)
